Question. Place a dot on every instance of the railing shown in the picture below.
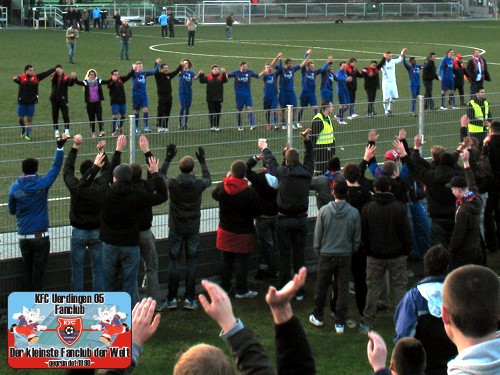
(4, 16)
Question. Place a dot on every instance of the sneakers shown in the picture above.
(28, 138)
(349, 117)
(114, 134)
(217, 129)
(314, 321)
(57, 134)
(277, 127)
(240, 128)
(212, 129)
(388, 113)
(249, 294)
(252, 127)
(299, 126)
(294, 126)
(268, 127)
(190, 304)
(342, 122)
(354, 115)
(339, 328)
(455, 107)
(137, 130)
(68, 134)
(443, 108)
(94, 135)
(283, 127)
(170, 304)
(147, 130)
(102, 133)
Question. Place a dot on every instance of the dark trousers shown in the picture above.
(164, 108)
(321, 154)
(492, 221)
(461, 94)
(292, 232)
(171, 29)
(332, 270)
(371, 95)
(63, 107)
(97, 22)
(266, 234)
(191, 38)
(164, 31)
(35, 253)
(214, 110)
(474, 86)
(429, 103)
(238, 262)
(94, 111)
(87, 25)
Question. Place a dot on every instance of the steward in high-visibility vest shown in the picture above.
(478, 111)
(323, 137)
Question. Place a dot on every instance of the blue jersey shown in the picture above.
(186, 82)
(413, 72)
(242, 81)
(139, 87)
(286, 78)
(270, 85)
(309, 80)
(342, 80)
(445, 70)
(327, 78)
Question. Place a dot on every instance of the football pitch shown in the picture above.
(256, 45)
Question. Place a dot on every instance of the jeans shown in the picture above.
(339, 268)
(35, 253)
(124, 49)
(229, 32)
(240, 264)
(71, 51)
(266, 234)
(420, 228)
(150, 259)
(375, 275)
(80, 241)
(191, 243)
(292, 232)
(125, 259)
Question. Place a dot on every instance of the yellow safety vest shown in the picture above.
(326, 136)
(479, 115)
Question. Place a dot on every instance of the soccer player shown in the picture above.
(327, 78)
(118, 100)
(186, 77)
(27, 97)
(242, 79)
(270, 96)
(140, 94)
(414, 72)
(342, 92)
(372, 84)
(352, 86)
(215, 93)
(164, 90)
(287, 88)
(445, 72)
(59, 99)
(389, 85)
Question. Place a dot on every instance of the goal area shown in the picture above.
(215, 12)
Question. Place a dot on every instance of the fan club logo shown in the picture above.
(69, 330)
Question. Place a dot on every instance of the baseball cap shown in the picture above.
(458, 56)
(457, 182)
(391, 155)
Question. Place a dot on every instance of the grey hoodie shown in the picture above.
(480, 359)
(338, 229)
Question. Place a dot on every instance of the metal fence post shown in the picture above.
(289, 129)
(131, 119)
(421, 120)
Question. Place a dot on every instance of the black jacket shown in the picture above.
(28, 86)
(185, 199)
(429, 71)
(215, 86)
(60, 88)
(116, 88)
(85, 83)
(294, 181)
(385, 228)
(267, 194)
(164, 81)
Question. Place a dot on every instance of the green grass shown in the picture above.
(256, 44)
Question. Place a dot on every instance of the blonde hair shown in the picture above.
(90, 71)
(203, 359)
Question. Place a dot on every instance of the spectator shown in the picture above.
(125, 33)
(460, 75)
(118, 22)
(191, 24)
(323, 184)
(229, 26)
(477, 71)
(28, 201)
(184, 222)
(163, 21)
(71, 37)
(86, 14)
(171, 23)
(294, 181)
(238, 206)
(104, 17)
(419, 312)
(471, 308)
(428, 75)
(96, 16)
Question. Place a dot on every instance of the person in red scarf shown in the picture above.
(460, 75)
(465, 243)
(477, 71)
(238, 206)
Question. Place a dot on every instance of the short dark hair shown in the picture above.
(27, 67)
(408, 357)
(373, 62)
(351, 172)
(389, 168)
(352, 59)
(479, 89)
(333, 164)
(447, 159)
(340, 190)
(30, 166)
(239, 169)
(495, 127)
(437, 261)
(85, 166)
(471, 297)
(381, 185)
(136, 171)
(288, 60)
(292, 156)
(186, 165)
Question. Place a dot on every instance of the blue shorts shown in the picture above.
(25, 110)
(415, 91)
(119, 109)
(343, 96)
(307, 98)
(139, 102)
(327, 95)
(243, 101)
(185, 100)
(271, 102)
(287, 98)
(448, 85)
